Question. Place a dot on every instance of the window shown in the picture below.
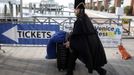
(122, 1)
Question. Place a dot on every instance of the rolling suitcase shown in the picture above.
(62, 56)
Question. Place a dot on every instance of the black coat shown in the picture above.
(85, 41)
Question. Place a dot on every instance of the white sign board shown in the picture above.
(110, 35)
(68, 27)
(119, 11)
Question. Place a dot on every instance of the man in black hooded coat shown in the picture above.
(85, 44)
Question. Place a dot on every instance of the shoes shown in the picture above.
(101, 71)
(104, 72)
(90, 71)
(69, 73)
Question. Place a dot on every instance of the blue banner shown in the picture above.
(31, 34)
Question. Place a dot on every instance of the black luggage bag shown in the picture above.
(62, 56)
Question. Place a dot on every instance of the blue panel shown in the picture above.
(33, 41)
(23, 33)
(38, 27)
(4, 27)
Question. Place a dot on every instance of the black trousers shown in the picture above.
(71, 61)
(71, 64)
(73, 55)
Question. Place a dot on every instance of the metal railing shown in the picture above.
(61, 20)
(65, 22)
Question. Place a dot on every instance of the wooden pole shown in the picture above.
(132, 5)
(117, 3)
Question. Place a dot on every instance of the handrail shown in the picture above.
(60, 20)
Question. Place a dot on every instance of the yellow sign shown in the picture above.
(125, 21)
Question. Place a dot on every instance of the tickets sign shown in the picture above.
(34, 34)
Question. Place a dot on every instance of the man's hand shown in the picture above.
(67, 44)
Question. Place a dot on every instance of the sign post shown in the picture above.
(119, 12)
(125, 55)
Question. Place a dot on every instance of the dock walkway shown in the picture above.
(31, 61)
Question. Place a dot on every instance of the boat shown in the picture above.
(50, 5)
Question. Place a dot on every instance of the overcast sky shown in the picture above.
(61, 2)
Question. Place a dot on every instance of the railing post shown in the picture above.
(49, 20)
(129, 26)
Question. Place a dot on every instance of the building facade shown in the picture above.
(9, 7)
(109, 3)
